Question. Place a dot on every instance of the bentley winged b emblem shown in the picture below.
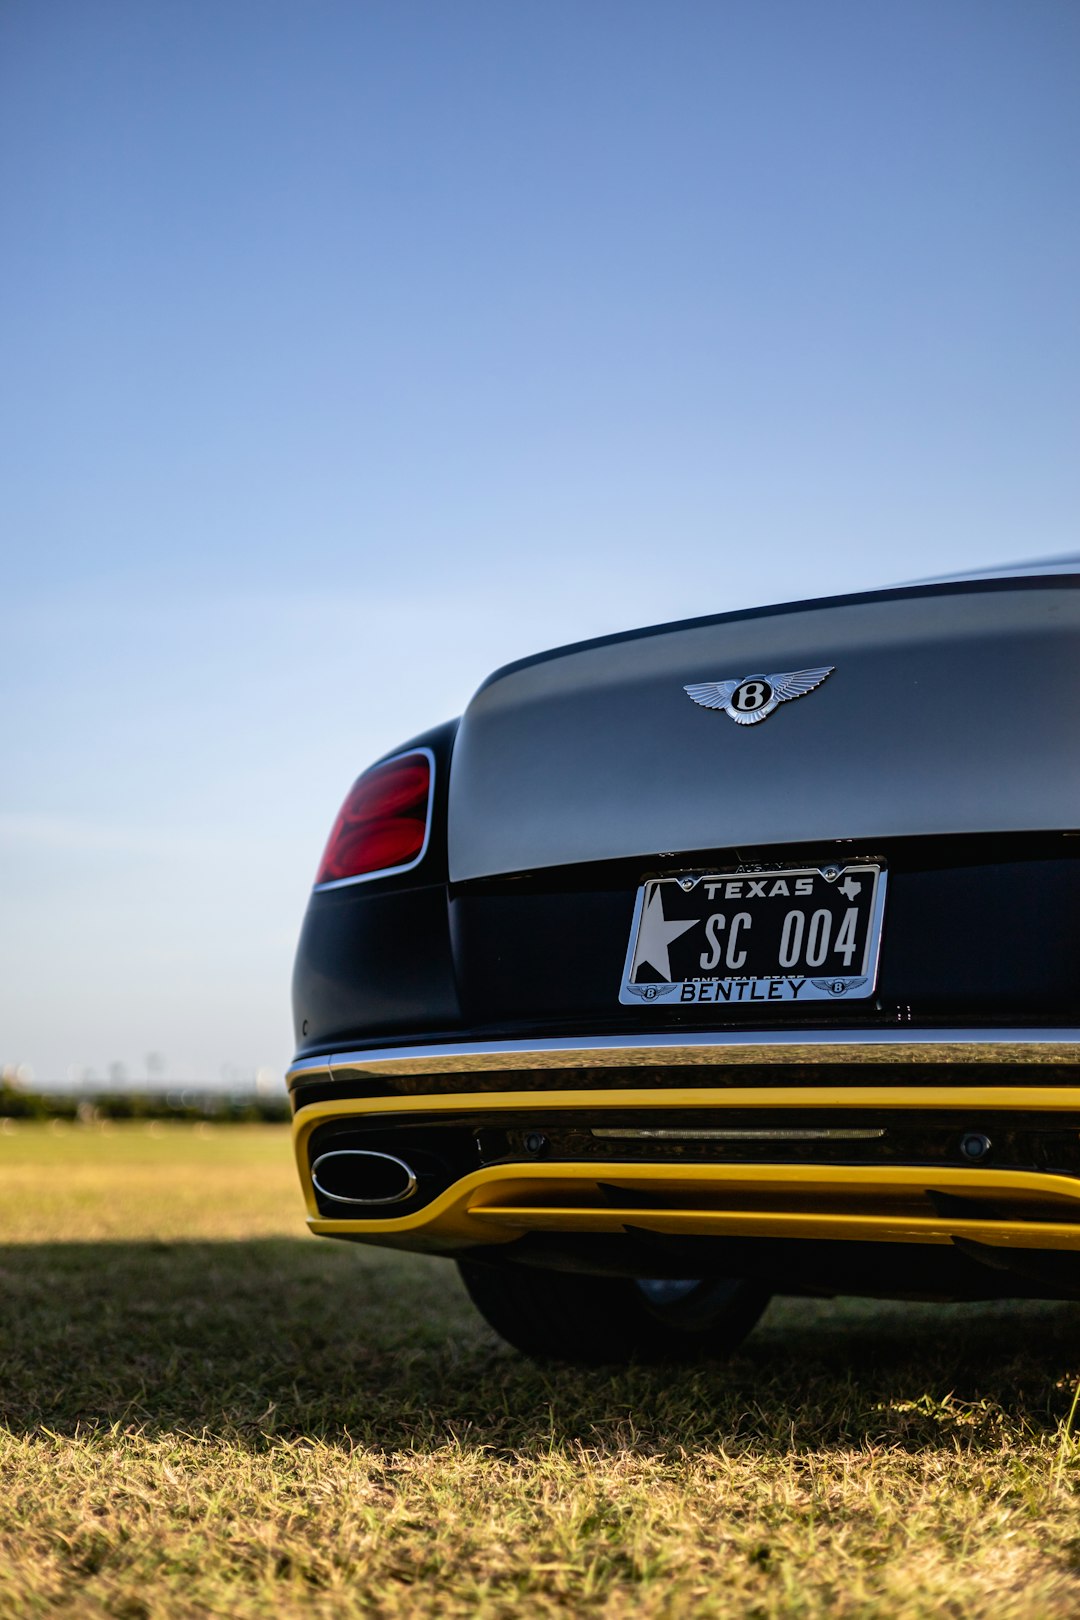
(754, 697)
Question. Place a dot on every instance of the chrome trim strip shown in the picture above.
(766, 1134)
(712, 1048)
(391, 871)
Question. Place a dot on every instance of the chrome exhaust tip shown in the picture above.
(360, 1176)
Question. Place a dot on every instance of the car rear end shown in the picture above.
(645, 989)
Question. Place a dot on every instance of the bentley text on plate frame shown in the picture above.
(644, 991)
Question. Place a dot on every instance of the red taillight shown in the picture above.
(383, 823)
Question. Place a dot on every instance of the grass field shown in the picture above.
(206, 1412)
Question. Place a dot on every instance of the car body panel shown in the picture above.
(947, 710)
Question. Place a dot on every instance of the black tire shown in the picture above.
(600, 1321)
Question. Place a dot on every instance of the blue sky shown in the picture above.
(350, 348)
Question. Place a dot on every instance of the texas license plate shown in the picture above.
(805, 933)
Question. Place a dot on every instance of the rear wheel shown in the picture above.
(562, 1316)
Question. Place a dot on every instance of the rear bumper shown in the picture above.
(721, 1179)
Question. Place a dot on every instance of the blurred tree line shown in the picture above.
(226, 1108)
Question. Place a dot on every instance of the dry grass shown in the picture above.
(208, 1413)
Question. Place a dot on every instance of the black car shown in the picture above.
(714, 960)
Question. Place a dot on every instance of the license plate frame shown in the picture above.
(848, 944)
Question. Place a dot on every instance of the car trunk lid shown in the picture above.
(950, 709)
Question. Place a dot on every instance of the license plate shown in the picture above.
(801, 933)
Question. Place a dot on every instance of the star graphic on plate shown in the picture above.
(656, 934)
